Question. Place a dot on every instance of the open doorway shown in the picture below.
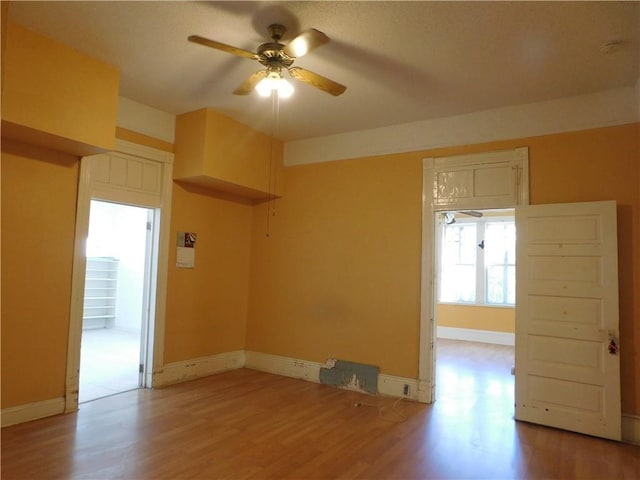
(463, 183)
(137, 175)
(114, 322)
(475, 310)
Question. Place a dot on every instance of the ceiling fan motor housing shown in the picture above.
(271, 56)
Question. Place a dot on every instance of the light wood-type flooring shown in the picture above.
(247, 424)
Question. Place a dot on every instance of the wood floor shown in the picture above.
(247, 424)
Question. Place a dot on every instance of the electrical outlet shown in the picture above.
(405, 390)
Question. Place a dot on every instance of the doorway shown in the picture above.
(464, 183)
(475, 310)
(567, 275)
(114, 320)
(133, 175)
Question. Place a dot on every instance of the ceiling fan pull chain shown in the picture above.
(271, 194)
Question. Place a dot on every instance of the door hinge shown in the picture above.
(141, 368)
(149, 226)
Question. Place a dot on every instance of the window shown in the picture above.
(477, 259)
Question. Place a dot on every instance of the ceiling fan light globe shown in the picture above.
(263, 88)
(267, 85)
(274, 83)
(285, 89)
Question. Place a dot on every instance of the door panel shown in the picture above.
(566, 315)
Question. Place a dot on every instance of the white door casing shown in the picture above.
(566, 317)
(135, 175)
(146, 357)
(487, 180)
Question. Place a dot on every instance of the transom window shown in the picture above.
(477, 258)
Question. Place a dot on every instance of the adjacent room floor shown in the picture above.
(472, 376)
(109, 362)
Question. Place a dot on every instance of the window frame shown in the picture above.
(481, 277)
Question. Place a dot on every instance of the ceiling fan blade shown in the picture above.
(305, 42)
(250, 83)
(318, 81)
(222, 46)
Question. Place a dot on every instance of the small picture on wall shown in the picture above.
(187, 239)
(186, 254)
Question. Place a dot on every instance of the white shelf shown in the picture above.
(100, 288)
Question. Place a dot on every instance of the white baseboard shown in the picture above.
(631, 428)
(393, 386)
(198, 367)
(471, 335)
(306, 370)
(32, 411)
(285, 366)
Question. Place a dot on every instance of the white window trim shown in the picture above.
(480, 264)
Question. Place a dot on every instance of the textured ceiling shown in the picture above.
(401, 61)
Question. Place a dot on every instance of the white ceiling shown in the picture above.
(401, 61)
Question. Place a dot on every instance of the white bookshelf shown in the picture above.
(100, 293)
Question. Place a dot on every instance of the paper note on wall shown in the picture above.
(186, 256)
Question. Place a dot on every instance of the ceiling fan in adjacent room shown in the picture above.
(277, 57)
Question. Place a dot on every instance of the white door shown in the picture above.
(567, 364)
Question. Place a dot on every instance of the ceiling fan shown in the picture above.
(276, 57)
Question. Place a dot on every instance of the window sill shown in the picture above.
(482, 305)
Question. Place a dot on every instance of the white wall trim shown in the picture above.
(286, 366)
(393, 386)
(142, 151)
(474, 335)
(143, 119)
(389, 385)
(198, 367)
(602, 109)
(32, 411)
(78, 270)
(631, 428)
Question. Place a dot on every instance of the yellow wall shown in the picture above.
(207, 305)
(476, 317)
(57, 97)
(38, 222)
(340, 273)
(218, 152)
